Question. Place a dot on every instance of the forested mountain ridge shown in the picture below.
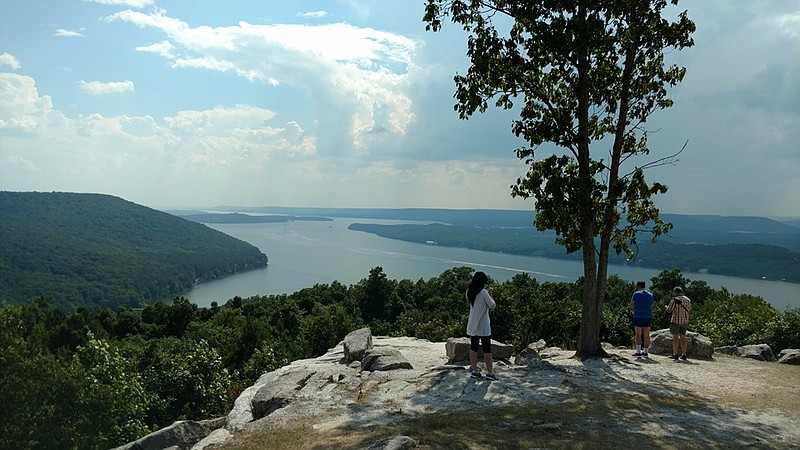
(703, 229)
(746, 247)
(745, 260)
(97, 250)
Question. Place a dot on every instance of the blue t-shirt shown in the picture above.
(643, 305)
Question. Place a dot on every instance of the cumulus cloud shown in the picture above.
(361, 68)
(100, 88)
(67, 33)
(10, 61)
(241, 138)
(21, 107)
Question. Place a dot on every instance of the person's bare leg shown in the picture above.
(685, 344)
(646, 335)
(473, 361)
(487, 360)
(638, 332)
(675, 338)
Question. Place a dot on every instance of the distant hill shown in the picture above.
(102, 251)
(688, 229)
(747, 247)
(244, 218)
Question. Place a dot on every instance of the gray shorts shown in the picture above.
(676, 329)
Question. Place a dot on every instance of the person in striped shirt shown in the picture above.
(679, 307)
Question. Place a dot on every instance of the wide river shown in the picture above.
(302, 254)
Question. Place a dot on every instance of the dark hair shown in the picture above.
(640, 284)
(476, 285)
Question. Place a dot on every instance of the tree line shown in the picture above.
(750, 260)
(97, 378)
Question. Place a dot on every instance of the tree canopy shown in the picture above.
(586, 75)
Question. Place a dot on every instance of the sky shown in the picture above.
(349, 103)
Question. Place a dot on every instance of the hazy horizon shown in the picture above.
(348, 104)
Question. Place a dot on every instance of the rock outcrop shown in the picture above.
(180, 435)
(699, 346)
(789, 356)
(457, 350)
(760, 352)
(403, 377)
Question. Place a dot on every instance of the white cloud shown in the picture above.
(163, 49)
(10, 61)
(363, 69)
(313, 14)
(100, 88)
(67, 33)
(21, 108)
(127, 3)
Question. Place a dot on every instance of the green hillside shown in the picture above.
(747, 259)
(102, 251)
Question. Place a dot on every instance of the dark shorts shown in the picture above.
(485, 343)
(676, 329)
(646, 322)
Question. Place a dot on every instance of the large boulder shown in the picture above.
(182, 434)
(356, 344)
(457, 349)
(699, 346)
(789, 356)
(529, 356)
(384, 358)
(760, 352)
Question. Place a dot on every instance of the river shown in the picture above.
(302, 254)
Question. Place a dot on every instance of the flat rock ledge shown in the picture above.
(419, 377)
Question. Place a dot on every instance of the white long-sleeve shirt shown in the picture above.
(478, 323)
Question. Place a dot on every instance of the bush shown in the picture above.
(783, 331)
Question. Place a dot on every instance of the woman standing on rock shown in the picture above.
(479, 328)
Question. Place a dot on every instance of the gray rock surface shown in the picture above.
(180, 435)
(789, 356)
(356, 344)
(394, 443)
(760, 352)
(529, 355)
(327, 393)
(457, 350)
(386, 358)
(699, 346)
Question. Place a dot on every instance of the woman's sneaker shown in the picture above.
(475, 374)
(491, 376)
(683, 357)
(675, 357)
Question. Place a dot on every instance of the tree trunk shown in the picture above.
(589, 339)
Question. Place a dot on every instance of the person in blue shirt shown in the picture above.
(642, 306)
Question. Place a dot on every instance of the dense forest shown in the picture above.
(101, 251)
(710, 252)
(96, 379)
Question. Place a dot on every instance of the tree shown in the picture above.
(587, 75)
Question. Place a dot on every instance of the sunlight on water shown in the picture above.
(302, 254)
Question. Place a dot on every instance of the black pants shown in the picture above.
(485, 343)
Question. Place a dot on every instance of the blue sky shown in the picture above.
(199, 103)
